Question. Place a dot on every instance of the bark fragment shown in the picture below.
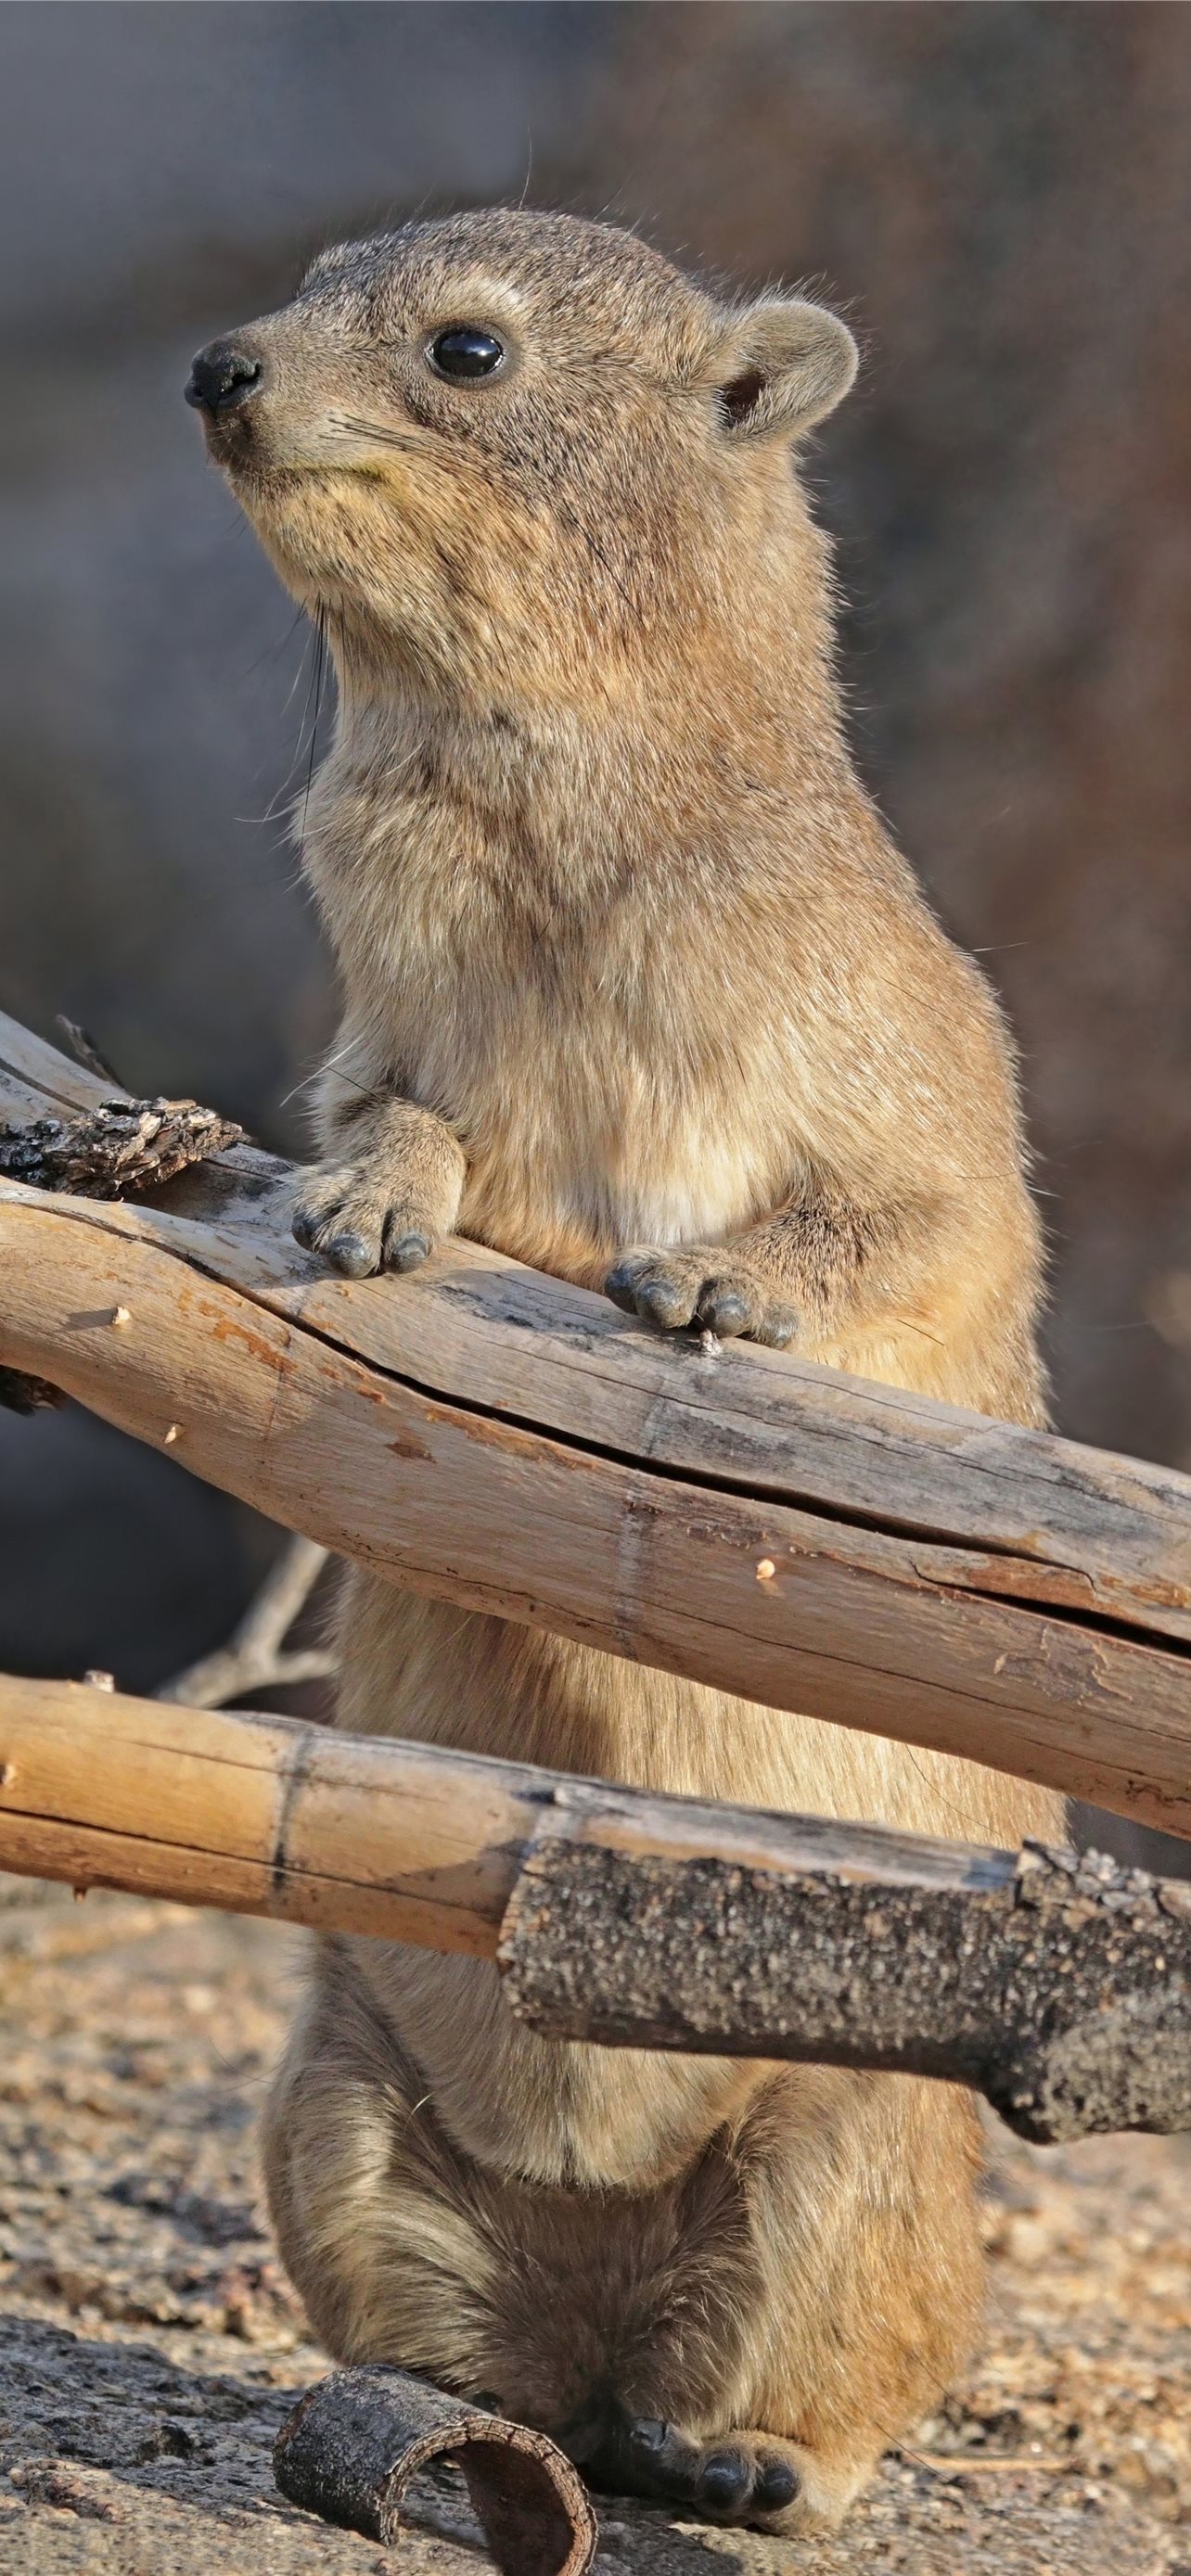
(355, 2440)
(117, 1147)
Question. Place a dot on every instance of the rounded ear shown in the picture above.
(783, 365)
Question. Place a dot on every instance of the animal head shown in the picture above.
(519, 458)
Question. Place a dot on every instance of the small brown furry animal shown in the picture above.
(636, 990)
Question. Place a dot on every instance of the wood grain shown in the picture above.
(503, 1440)
(269, 1815)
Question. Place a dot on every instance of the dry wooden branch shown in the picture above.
(1060, 1987)
(505, 1441)
(254, 1658)
(352, 2445)
(260, 1815)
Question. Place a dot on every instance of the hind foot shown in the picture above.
(737, 2477)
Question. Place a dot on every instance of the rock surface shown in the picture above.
(149, 2345)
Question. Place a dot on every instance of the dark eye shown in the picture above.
(464, 352)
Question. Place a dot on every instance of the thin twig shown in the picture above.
(83, 1046)
(947, 2464)
(253, 1658)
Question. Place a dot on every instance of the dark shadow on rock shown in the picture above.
(204, 2439)
(127, 2408)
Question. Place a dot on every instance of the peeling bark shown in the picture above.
(353, 2443)
(117, 1147)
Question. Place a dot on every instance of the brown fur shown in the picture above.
(630, 969)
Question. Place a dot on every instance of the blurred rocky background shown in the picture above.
(1000, 197)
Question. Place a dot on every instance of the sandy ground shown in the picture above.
(149, 2345)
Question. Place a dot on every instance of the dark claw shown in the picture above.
(662, 1303)
(305, 1227)
(779, 1329)
(777, 2485)
(726, 1314)
(723, 2481)
(619, 1287)
(408, 1253)
(648, 2437)
(659, 2461)
(350, 1253)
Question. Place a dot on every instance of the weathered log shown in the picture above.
(355, 2441)
(1060, 1987)
(1062, 1994)
(505, 1441)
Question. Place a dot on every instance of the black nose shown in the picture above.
(222, 376)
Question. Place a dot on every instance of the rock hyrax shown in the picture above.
(635, 989)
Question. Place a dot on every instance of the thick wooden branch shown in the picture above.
(1063, 1993)
(500, 1439)
(1059, 1987)
(259, 1815)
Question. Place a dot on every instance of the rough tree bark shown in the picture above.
(352, 2444)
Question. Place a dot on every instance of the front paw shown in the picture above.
(361, 1220)
(701, 1284)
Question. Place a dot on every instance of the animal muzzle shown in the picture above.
(225, 375)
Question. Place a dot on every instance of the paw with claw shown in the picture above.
(742, 2478)
(365, 1217)
(704, 1285)
(389, 1207)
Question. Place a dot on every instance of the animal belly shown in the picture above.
(548, 2111)
(571, 1210)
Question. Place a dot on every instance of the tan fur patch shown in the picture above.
(627, 959)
